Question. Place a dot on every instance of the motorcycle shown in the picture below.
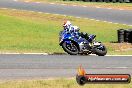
(74, 45)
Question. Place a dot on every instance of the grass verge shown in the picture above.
(58, 83)
(126, 6)
(24, 31)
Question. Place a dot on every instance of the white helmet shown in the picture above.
(67, 24)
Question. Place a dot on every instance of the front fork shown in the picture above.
(94, 44)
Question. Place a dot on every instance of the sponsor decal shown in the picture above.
(82, 78)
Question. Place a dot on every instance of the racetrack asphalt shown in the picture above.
(42, 66)
(111, 15)
(51, 66)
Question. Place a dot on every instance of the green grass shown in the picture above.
(23, 31)
(57, 83)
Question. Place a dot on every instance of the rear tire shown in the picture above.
(72, 49)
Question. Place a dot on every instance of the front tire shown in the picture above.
(71, 48)
(100, 50)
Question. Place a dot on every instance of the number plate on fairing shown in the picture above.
(96, 43)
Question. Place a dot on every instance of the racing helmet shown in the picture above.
(66, 24)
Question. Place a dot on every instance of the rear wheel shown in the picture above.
(71, 48)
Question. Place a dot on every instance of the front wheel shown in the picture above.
(100, 50)
(70, 48)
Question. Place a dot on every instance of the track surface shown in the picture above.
(41, 66)
(116, 16)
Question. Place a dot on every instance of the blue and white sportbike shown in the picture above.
(75, 43)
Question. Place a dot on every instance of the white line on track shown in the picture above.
(62, 4)
(37, 2)
(97, 20)
(116, 67)
(118, 55)
(110, 22)
(14, 9)
(52, 3)
(98, 7)
(92, 19)
(26, 1)
(51, 53)
(37, 53)
(78, 17)
(84, 6)
(72, 16)
(56, 14)
(15, 0)
(27, 53)
(124, 24)
(40, 12)
(46, 13)
(122, 67)
(108, 8)
(74, 5)
(32, 11)
(4, 8)
(121, 9)
(104, 21)
(64, 15)
(10, 53)
(86, 18)
(116, 23)
(71, 5)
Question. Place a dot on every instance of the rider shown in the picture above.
(68, 27)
